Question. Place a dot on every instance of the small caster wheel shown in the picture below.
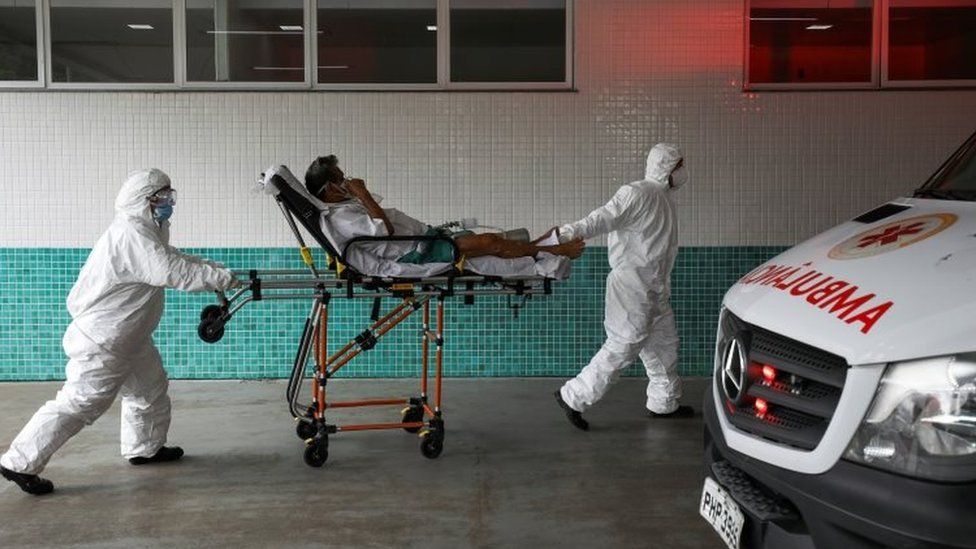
(316, 455)
(211, 331)
(305, 430)
(211, 312)
(432, 446)
(412, 414)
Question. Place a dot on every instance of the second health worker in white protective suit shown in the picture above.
(115, 306)
(642, 226)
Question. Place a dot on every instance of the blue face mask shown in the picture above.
(163, 212)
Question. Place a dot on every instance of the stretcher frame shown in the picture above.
(419, 414)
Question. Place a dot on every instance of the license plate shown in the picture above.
(722, 512)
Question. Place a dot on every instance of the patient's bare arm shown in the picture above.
(357, 188)
(476, 245)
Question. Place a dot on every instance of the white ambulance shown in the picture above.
(842, 413)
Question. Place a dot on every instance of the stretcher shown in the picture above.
(421, 414)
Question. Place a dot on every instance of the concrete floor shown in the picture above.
(513, 474)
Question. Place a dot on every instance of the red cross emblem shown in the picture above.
(890, 235)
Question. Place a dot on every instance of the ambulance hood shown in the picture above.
(897, 283)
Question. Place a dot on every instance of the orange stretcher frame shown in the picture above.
(418, 415)
(422, 413)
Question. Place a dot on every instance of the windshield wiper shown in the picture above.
(946, 194)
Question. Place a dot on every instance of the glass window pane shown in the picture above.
(18, 40)
(508, 40)
(112, 41)
(932, 40)
(807, 42)
(245, 41)
(377, 41)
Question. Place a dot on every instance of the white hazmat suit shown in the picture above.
(115, 306)
(643, 244)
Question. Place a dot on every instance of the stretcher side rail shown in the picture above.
(268, 285)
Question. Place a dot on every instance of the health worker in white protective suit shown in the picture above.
(115, 306)
(643, 242)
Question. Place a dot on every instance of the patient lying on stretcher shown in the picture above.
(356, 213)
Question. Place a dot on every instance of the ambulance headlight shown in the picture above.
(922, 422)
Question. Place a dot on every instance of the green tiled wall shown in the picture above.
(553, 336)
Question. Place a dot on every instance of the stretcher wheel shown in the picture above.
(412, 414)
(211, 331)
(305, 430)
(211, 312)
(432, 446)
(316, 455)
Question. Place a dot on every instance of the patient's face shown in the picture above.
(332, 192)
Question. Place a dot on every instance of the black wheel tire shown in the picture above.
(210, 331)
(305, 430)
(432, 446)
(316, 455)
(412, 415)
(211, 312)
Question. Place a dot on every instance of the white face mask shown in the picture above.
(679, 177)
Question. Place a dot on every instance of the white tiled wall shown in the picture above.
(768, 168)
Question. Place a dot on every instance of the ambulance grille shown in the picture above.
(800, 400)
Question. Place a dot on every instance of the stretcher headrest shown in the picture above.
(279, 182)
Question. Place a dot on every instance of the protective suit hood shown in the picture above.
(661, 162)
(133, 198)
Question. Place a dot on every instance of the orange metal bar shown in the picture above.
(393, 312)
(428, 411)
(369, 402)
(315, 379)
(378, 334)
(373, 326)
(333, 368)
(393, 323)
(380, 426)
(341, 351)
(322, 346)
(425, 344)
(440, 350)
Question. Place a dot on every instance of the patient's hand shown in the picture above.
(356, 186)
(572, 249)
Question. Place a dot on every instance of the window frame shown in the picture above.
(876, 43)
(371, 86)
(444, 82)
(909, 84)
(444, 22)
(310, 81)
(39, 81)
(193, 85)
(107, 86)
(879, 63)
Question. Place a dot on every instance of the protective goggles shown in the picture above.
(164, 197)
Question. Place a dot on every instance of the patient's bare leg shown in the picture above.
(476, 245)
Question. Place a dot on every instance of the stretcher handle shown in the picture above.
(456, 253)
